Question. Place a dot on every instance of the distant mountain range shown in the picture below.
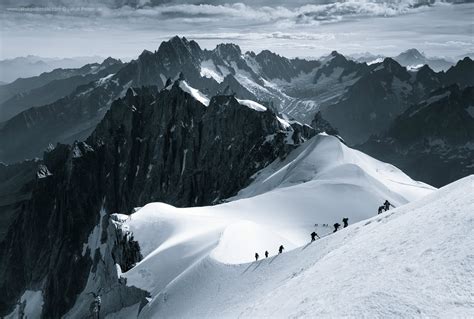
(412, 59)
(357, 99)
(433, 140)
(31, 65)
(48, 87)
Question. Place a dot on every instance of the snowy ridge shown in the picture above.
(399, 264)
(194, 92)
(253, 105)
(396, 264)
(177, 242)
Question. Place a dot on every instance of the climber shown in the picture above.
(345, 221)
(381, 209)
(256, 256)
(266, 254)
(336, 226)
(313, 236)
(387, 205)
(280, 250)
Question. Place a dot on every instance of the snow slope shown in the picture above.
(320, 182)
(413, 261)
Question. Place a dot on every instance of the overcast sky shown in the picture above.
(123, 28)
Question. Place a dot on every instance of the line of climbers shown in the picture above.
(280, 250)
(345, 221)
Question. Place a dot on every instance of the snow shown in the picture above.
(105, 79)
(94, 239)
(43, 171)
(413, 261)
(253, 105)
(196, 259)
(378, 60)
(284, 123)
(31, 305)
(208, 70)
(194, 93)
(414, 67)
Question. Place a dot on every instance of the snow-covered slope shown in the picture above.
(414, 261)
(198, 255)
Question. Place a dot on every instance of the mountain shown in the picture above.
(437, 132)
(152, 145)
(366, 57)
(65, 83)
(16, 184)
(413, 59)
(30, 66)
(315, 183)
(376, 267)
(371, 104)
(75, 116)
(22, 85)
(359, 100)
(461, 73)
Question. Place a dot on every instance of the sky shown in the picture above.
(303, 28)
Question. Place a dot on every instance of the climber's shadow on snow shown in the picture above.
(306, 246)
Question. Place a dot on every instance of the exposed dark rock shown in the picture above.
(321, 125)
(151, 146)
(432, 140)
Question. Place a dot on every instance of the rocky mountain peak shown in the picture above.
(179, 49)
(412, 54)
(110, 61)
(393, 67)
(228, 51)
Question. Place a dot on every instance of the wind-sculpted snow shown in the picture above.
(398, 264)
(178, 242)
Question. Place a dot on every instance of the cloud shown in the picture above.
(297, 27)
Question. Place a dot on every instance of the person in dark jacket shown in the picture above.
(280, 250)
(256, 256)
(313, 236)
(381, 209)
(266, 254)
(336, 227)
(345, 221)
(387, 205)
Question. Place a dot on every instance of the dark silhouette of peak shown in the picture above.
(145, 53)
(179, 46)
(392, 66)
(269, 54)
(110, 61)
(228, 51)
(461, 73)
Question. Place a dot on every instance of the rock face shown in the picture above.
(356, 98)
(371, 105)
(151, 146)
(16, 183)
(432, 140)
